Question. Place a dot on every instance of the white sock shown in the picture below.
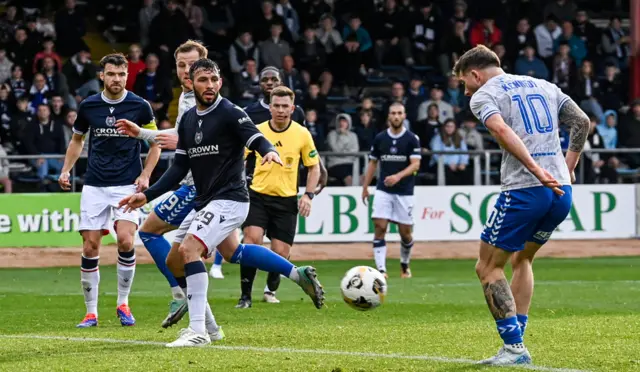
(209, 319)
(380, 254)
(405, 252)
(293, 275)
(90, 280)
(217, 266)
(126, 270)
(197, 285)
(177, 293)
(267, 290)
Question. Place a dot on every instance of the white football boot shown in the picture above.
(216, 272)
(187, 337)
(509, 355)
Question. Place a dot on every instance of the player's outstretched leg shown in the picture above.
(264, 259)
(490, 270)
(90, 276)
(216, 269)
(406, 244)
(126, 269)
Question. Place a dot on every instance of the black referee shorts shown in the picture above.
(277, 215)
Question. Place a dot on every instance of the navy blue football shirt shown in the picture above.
(114, 158)
(394, 152)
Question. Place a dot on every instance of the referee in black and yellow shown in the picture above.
(274, 204)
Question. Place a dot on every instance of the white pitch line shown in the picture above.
(284, 350)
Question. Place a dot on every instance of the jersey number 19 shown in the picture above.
(534, 102)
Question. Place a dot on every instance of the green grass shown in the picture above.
(585, 316)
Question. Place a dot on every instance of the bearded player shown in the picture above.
(398, 151)
(523, 114)
(114, 170)
(170, 213)
(211, 142)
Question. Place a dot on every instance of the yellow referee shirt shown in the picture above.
(293, 143)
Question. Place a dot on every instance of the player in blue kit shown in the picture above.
(398, 151)
(211, 142)
(114, 170)
(523, 114)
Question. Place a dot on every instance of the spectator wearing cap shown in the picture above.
(445, 110)
(5, 65)
(154, 88)
(312, 60)
(56, 82)
(629, 133)
(546, 35)
(390, 34)
(21, 51)
(47, 51)
(578, 51)
(70, 29)
(242, 49)
(616, 43)
(248, 83)
(135, 65)
(529, 64)
(274, 49)
(425, 31)
(517, 41)
(563, 10)
(485, 33)
(81, 75)
(587, 32)
(586, 89)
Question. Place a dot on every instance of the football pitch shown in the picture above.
(585, 317)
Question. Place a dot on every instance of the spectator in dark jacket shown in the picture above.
(611, 97)
(43, 137)
(586, 89)
(293, 79)
(154, 88)
(365, 130)
(426, 29)
(248, 83)
(21, 51)
(70, 29)
(518, 41)
(242, 49)
(315, 100)
(19, 86)
(317, 128)
(312, 60)
(629, 133)
(56, 82)
(164, 40)
(81, 75)
(587, 32)
(390, 33)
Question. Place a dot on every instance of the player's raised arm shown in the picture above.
(571, 115)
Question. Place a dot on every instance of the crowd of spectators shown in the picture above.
(346, 60)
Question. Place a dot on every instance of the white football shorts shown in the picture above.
(97, 204)
(215, 222)
(393, 207)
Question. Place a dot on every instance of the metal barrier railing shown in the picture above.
(481, 161)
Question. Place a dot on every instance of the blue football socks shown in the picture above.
(159, 248)
(218, 259)
(509, 330)
(262, 258)
(522, 321)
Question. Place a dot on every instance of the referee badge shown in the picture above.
(111, 121)
(198, 137)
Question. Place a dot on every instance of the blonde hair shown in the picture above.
(283, 91)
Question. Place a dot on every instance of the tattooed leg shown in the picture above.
(500, 299)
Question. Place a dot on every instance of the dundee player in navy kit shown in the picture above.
(114, 170)
(211, 143)
(398, 151)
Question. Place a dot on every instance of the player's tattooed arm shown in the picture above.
(571, 115)
(500, 300)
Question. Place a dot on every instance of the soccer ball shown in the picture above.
(363, 288)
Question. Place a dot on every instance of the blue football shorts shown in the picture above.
(526, 215)
(177, 206)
